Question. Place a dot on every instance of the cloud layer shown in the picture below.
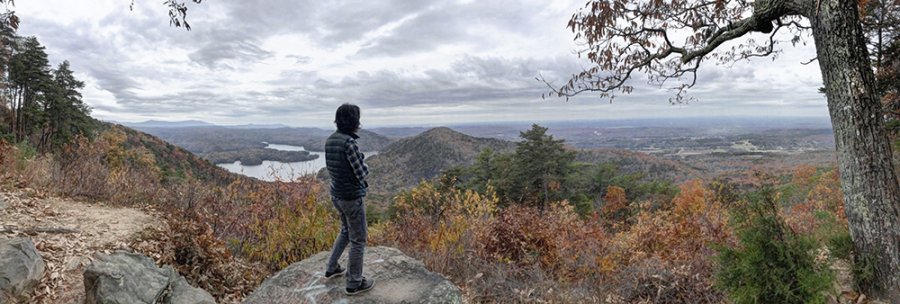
(404, 62)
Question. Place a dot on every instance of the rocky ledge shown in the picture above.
(398, 279)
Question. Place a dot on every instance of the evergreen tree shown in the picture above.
(7, 43)
(30, 80)
(541, 164)
(66, 114)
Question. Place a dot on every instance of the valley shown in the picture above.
(401, 157)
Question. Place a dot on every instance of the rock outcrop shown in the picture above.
(124, 277)
(398, 279)
(21, 268)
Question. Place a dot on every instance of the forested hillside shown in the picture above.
(408, 161)
(173, 162)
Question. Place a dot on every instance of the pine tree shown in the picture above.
(7, 43)
(541, 164)
(30, 80)
(66, 114)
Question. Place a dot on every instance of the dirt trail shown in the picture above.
(99, 228)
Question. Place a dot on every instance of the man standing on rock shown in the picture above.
(347, 168)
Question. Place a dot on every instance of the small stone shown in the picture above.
(74, 263)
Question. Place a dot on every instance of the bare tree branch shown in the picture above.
(667, 40)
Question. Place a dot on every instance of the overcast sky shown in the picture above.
(404, 62)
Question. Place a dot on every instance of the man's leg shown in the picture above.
(340, 243)
(355, 212)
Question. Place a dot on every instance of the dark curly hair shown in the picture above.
(347, 118)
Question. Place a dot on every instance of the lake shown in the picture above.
(274, 170)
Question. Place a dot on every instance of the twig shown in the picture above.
(30, 230)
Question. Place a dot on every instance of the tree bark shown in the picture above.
(870, 185)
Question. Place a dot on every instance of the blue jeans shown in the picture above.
(354, 232)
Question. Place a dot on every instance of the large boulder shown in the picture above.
(124, 277)
(398, 279)
(21, 268)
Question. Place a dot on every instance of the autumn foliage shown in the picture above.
(223, 234)
(627, 252)
(654, 249)
(467, 236)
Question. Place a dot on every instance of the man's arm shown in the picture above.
(357, 162)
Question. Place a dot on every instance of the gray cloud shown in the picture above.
(222, 45)
(255, 62)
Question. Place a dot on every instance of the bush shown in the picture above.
(841, 245)
(297, 230)
(26, 152)
(105, 170)
(439, 219)
(525, 254)
(657, 281)
(863, 268)
(615, 210)
(694, 220)
(273, 223)
(772, 263)
(195, 252)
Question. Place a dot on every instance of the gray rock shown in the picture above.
(398, 279)
(182, 292)
(2, 203)
(124, 277)
(21, 268)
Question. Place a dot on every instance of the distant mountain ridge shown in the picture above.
(196, 123)
(166, 124)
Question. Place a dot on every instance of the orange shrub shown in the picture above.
(194, 250)
(822, 212)
(683, 233)
(826, 194)
(441, 221)
(520, 235)
(273, 223)
(666, 255)
(105, 170)
(615, 210)
(8, 158)
(299, 228)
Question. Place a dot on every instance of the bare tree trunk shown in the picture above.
(19, 115)
(871, 190)
(14, 122)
